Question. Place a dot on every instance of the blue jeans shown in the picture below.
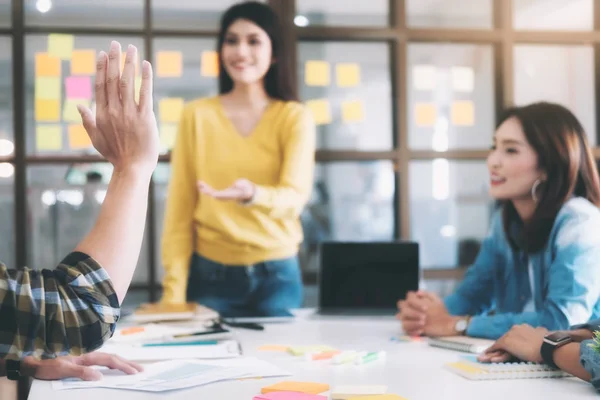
(265, 287)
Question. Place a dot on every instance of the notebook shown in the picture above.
(158, 312)
(461, 343)
(519, 370)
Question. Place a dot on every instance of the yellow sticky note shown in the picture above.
(301, 387)
(378, 397)
(321, 111)
(78, 137)
(167, 134)
(209, 64)
(138, 86)
(47, 88)
(347, 74)
(60, 46)
(425, 114)
(47, 65)
(353, 111)
(168, 64)
(47, 110)
(316, 73)
(463, 113)
(83, 62)
(48, 137)
(70, 113)
(170, 109)
(274, 347)
(136, 62)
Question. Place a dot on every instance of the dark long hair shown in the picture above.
(564, 154)
(278, 84)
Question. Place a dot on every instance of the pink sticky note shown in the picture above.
(79, 87)
(289, 396)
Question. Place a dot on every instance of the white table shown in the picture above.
(411, 370)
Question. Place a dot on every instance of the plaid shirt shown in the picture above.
(70, 310)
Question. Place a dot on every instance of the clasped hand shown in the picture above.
(424, 313)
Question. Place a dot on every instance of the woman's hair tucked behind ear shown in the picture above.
(564, 154)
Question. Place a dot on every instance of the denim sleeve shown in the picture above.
(474, 294)
(573, 284)
(590, 360)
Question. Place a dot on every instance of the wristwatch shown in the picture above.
(13, 369)
(552, 342)
(462, 324)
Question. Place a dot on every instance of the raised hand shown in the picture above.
(241, 190)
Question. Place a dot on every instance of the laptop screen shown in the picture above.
(369, 275)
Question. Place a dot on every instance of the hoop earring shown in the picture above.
(534, 189)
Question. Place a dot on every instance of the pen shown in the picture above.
(193, 343)
(363, 359)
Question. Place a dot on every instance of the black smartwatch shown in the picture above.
(13, 369)
(552, 342)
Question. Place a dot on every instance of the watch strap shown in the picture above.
(547, 353)
(13, 369)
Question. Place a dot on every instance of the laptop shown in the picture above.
(366, 278)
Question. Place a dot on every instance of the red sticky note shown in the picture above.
(78, 87)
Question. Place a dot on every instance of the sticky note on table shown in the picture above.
(47, 88)
(78, 137)
(302, 350)
(347, 74)
(425, 114)
(348, 391)
(168, 64)
(274, 347)
(321, 111)
(136, 63)
(378, 397)
(47, 65)
(353, 111)
(48, 137)
(60, 45)
(463, 113)
(301, 387)
(209, 64)
(47, 110)
(70, 113)
(170, 109)
(424, 77)
(83, 62)
(463, 79)
(167, 134)
(289, 396)
(78, 87)
(316, 73)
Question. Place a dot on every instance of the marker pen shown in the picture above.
(363, 359)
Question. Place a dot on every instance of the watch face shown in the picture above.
(558, 337)
(461, 325)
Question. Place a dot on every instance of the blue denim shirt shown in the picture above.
(566, 274)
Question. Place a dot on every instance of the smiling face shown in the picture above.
(513, 163)
(246, 53)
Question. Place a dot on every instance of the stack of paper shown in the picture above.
(134, 352)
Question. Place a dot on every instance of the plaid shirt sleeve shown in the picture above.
(70, 310)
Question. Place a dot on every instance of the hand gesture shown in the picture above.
(241, 190)
(522, 341)
(413, 313)
(81, 367)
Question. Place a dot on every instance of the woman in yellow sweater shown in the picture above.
(242, 171)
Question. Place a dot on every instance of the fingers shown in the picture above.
(111, 361)
(70, 370)
(87, 117)
(127, 85)
(413, 328)
(416, 301)
(114, 73)
(501, 357)
(146, 89)
(101, 68)
(412, 314)
(494, 356)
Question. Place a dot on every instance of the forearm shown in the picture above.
(116, 239)
(567, 359)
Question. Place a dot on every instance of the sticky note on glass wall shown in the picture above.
(169, 64)
(78, 137)
(60, 46)
(424, 77)
(321, 111)
(316, 73)
(209, 64)
(48, 137)
(136, 62)
(170, 109)
(47, 65)
(47, 110)
(78, 87)
(353, 111)
(167, 134)
(463, 79)
(425, 114)
(47, 88)
(83, 62)
(463, 113)
(347, 74)
(70, 113)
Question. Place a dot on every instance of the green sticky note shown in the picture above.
(48, 137)
(60, 46)
(70, 113)
(47, 88)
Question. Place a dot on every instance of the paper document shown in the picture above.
(224, 349)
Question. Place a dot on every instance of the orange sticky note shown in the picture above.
(48, 137)
(47, 65)
(321, 111)
(170, 109)
(47, 110)
(463, 113)
(353, 111)
(316, 73)
(136, 61)
(347, 74)
(209, 64)
(274, 347)
(60, 45)
(425, 114)
(168, 64)
(78, 137)
(300, 387)
(83, 62)
(167, 135)
(70, 112)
